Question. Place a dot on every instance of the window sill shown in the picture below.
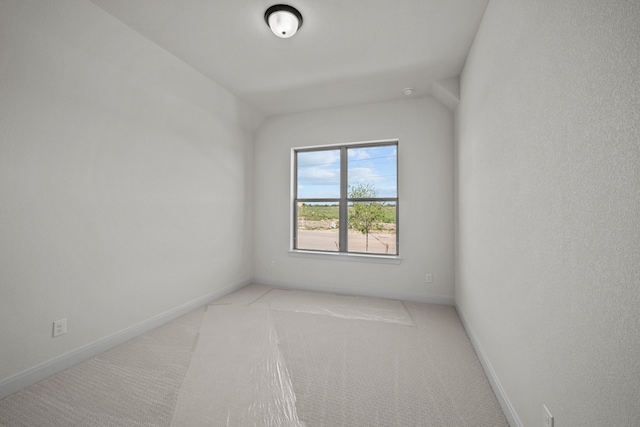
(378, 259)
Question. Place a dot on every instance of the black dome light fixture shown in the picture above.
(284, 20)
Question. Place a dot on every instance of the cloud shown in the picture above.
(362, 175)
(359, 153)
(318, 175)
(318, 158)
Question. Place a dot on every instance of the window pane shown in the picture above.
(372, 171)
(372, 227)
(318, 226)
(318, 174)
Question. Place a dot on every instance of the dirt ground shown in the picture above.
(327, 240)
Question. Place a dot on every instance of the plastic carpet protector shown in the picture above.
(340, 306)
(291, 358)
(238, 376)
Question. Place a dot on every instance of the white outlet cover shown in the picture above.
(59, 327)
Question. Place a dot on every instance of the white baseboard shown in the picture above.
(503, 400)
(352, 290)
(44, 370)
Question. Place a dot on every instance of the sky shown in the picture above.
(319, 171)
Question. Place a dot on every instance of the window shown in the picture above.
(345, 198)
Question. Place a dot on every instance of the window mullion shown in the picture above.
(294, 220)
(344, 215)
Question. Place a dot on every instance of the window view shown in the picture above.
(346, 198)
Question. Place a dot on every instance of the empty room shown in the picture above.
(320, 213)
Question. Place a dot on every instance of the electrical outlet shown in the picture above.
(429, 278)
(547, 418)
(59, 327)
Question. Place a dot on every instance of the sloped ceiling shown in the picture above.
(347, 51)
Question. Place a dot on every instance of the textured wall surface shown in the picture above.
(125, 180)
(548, 172)
(425, 172)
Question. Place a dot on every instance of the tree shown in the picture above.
(365, 216)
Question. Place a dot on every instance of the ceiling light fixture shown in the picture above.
(283, 20)
(408, 91)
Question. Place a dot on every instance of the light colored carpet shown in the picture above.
(270, 357)
(134, 384)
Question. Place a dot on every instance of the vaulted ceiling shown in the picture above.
(346, 52)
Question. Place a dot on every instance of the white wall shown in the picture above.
(125, 181)
(425, 156)
(548, 246)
